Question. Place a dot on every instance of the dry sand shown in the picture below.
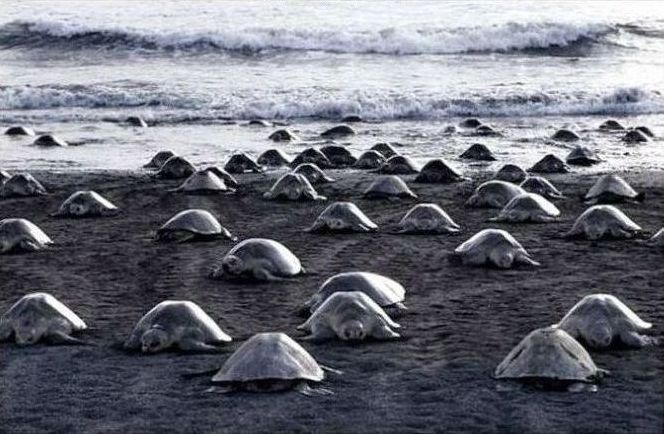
(461, 323)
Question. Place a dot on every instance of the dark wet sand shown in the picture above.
(461, 323)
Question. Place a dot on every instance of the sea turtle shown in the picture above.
(564, 135)
(549, 357)
(582, 156)
(541, 186)
(511, 173)
(273, 158)
(22, 185)
(387, 293)
(159, 159)
(370, 160)
(343, 217)
(492, 247)
(258, 259)
(385, 149)
(635, 136)
(49, 140)
(338, 131)
(292, 186)
(645, 130)
(399, 165)
(312, 155)
(241, 163)
(176, 167)
(86, 203)
(269, 362)
(387, 186)
(485, 131)
(19, 131)
(611, 188)
(40, 316)
(438, 171)
(338, 155)
(228, 179)
(427, 218)
(611, 125)
(22, 235)
(470, 123)
(181, 324)
(352, 118)
(4, 176)
(450, 129)
(603, 221)
(190, 225)
(602, 321)
(478, 151)
(203, 182)
(494, 194)
(349, 316)
(259, 123)
(550, 164)
(137, 121)
(313, 173)
(283, 135)
(528, 207)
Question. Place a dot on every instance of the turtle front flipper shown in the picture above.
(319, 332)
(383, 331)
(304, 388)
(6, 330)
(636, 340)
(193, 342)
(29, 246)
(62, 338)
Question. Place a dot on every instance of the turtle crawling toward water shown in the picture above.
(22, 185)
(528, 207)
(19, 130)
(611, 125)
(603, 221)
(86, 203)
(427, 218)
(492, 247)
(192, 225)
(22, 235)
(258, 259)
(343, 217)
(50, 141)
(478, 152)
(612, 188)
(388, 186)
(293, 186)
(338, 131)
(635, 136)
(494, 194)
(283, 135)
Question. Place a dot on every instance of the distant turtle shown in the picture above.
(370, 160)
(470, 123)
(313, 173)
(438, 171)
(611, 188)
(611, 125)
(528, 207)
(494, 247)
(387, 293)
(283, 135)
(550, 164)
(159, 159)
(645, 130)
(343, 217)
(486, 131)
(494, 194)
(541, 186)
(602, 321)
(387, 186)
(582, 156)
(203, 182)
(657, 240)
(269, 362)
(259, 123)
(427, 218)
(352, 119)
(49, 140)
(273, 158)
(550, 357)
(511, 173)
(21, 235)
(603, 221)
(176, 168)
(40, 316)
(86, 203)
(293, 186)
(564, 135)
(181, 324)
(399, 165)
(22, 185)
(338, 131)
(312, 155)
(258, 259)
(137, 121)
(338, 155)
(635, 136)
(450, 129)
(4, 176)
(478, 152)
(191, 225)
(19, 131)
(349, 316)
(385, 148)
(241, 163)
(228, 179)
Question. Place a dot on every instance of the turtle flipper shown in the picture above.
(196, 346)
(62, 338)
(633, 339)
(303, 388)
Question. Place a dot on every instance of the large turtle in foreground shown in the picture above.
(492, 247)
(190, 225)
(603, 221)
(343, 217)
(258, 259)
(86, 203)
(612, 188)
(21, 235)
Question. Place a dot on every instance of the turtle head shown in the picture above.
(154, 340)
(352, 331)
(425, 224)
(232, 265)
(336, 224)
(29, 329)
(502, 258)
(78, 209)
(599, 335)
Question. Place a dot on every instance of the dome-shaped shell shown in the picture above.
(541, 186)
(583, 156)
(479, 152)
(427, 218)
(21, 234)
(635, 136)
(137, 121)
(159, 159)
(470, 123)
(601, 320)
(49, 140)
(611, 125)
(370, 160)
(385, 149)
(399, 165)
(564, 135)
(603, 221)
(19, 130)
(176, 167)
(338, 131)
(22, 185)
(283, 135)
(352, 118)
(86, 203)
(645, 130)
(388, 186)
(550, 164)
(338, 155)
(241, 163)
(312, 155)
(492, 247)
(195, 221)
(203, 182)
(274, 158)
(269, 356)
(528, 207)
(228, 179)
(259, 123)
(279, 259)
(313, 173)
(494, 194)
(343, 216)
(438, 171)
(657, 240)
(511, 173)
(293, 186)
(548, 353)
(611, 188)
(485, 131)
(46, 306)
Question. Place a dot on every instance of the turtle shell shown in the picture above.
(635, 136)
(203, 182)
(338, 155)
(343, 216)
(470, 123)
(611, 188)
(511, 173)
(46, 306)
(19, 130)
(478, 151)
(195, 221)
(88, 202)
(273, 157)
(313, 173)
(228, 179)
(528, 207)
(437, 171)
(388, 186)
(176, 167)
(292, 186)
(312, 155)
(22, 184)
(49, 140)
(13, 231)
(282, 261)
(582, 156)
(399, 165)
(541, 186)
(385, 149)
(338, 131)
(159, 159)
(494, 194)
(427, 218)
(283, 135)
(550, 164)
(611, 125)
(241, 163)
(600, 221)
(564, 135)
(370, 160)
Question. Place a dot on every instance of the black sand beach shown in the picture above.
(461, 323)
